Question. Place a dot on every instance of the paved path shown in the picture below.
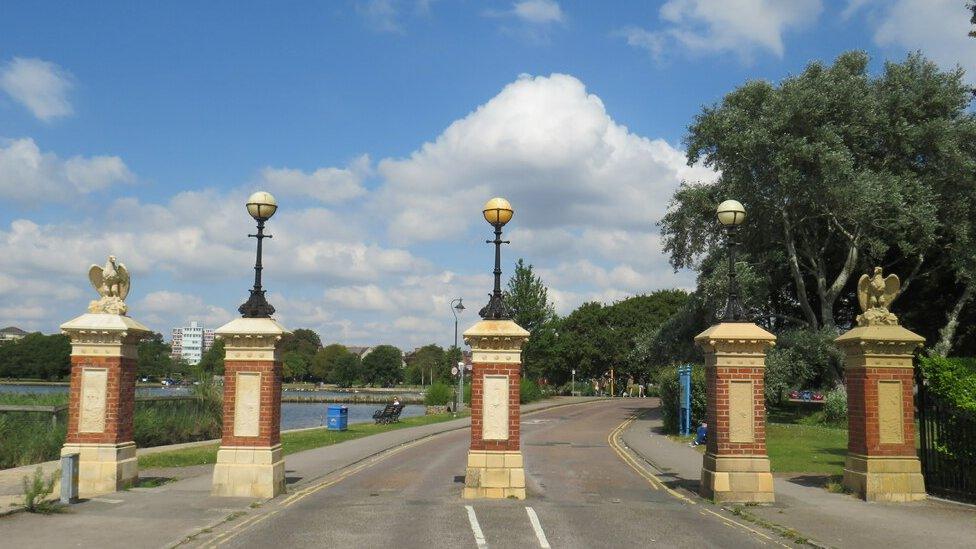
(581, 494)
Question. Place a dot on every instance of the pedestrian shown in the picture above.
(701, 435)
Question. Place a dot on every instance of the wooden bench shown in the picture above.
(389, 414)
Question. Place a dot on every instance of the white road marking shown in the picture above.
(106, 500)
(479, 536)
(537, 526)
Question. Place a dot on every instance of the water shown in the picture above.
(294, 415)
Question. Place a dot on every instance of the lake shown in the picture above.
(294, 415)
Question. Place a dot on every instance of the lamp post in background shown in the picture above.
(261, 205)
(457, 307)
(731, 214)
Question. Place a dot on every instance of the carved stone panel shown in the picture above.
(495, 408)
(94, 384)
(247, 404)
(890, 420)
(741, 414)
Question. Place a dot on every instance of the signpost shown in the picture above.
(684, 400)
(573, 391)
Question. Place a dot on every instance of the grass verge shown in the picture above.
(290, 442)
(806, 448)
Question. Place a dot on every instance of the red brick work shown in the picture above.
(269, 431)
(717, 381)
(513, 371)
(862, 411)
(119, 399)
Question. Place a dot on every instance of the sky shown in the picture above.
(381, 127)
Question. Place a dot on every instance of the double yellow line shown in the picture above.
(613, 439)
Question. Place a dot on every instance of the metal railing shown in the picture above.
(947, 437)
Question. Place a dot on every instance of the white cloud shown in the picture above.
(30, 176)
(327, 185)
(380, 15)
(158, 308)
(939, 28)
(718, 26)
(538, 11)
(39, 85)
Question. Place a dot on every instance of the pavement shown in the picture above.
(804, 506)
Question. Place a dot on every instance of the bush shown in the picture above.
(529, 391)
(802, 359)
(668, 386)
(37, 491)
(951, 379)
(583, 388)
(835, 405)
(438, 394)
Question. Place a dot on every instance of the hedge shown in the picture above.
(667, 381)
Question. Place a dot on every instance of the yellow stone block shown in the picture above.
(477, 459)
(513, 460)
(517, 478)
(495, 459)
(495, 478)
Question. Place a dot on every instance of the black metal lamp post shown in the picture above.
(457, 308)
(261, 205)
(731, 214)
(497, 212)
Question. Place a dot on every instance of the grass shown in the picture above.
(34, 399)
(796, 448)
(290, 442)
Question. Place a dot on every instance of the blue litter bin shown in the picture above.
(338, 417)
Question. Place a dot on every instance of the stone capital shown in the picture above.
(496, 342)
(735, 338)
(880, 342)
(251, 338)
(104, 335)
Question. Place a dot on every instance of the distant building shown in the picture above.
(191, 342)
(11, 333)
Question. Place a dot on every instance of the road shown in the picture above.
(581, 493)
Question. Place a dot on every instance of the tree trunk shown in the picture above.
(948, 332)
(801, 287)
(830, 295)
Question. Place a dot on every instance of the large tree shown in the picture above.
(528, 299)
(154, 358)
(839, 171)
(323, 363)
(425, 363)
(383, 365)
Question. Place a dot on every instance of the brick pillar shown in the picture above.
(495, 467)
(250, 462)
(882, 463)
(101, 401)
(735, 467)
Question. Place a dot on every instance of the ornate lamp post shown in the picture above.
(457, 308)
(497, 212)
(261, 205)
(731, 214)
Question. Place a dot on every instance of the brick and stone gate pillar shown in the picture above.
(250, 462)
(882, 463)
(735, 467)
(101, 401)
(495, 467)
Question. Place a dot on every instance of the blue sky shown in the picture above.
(381, 126)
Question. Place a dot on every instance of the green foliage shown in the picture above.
(29, 438)
(347, 370)
(529, 391)
(383, 366)
(212, 362)
(427, 361)
(438, 394)
(835, 405)
(298, 351)
(323, 363)
(37, 492)
(802, 359)
(670, 393)
(295, 366)
(528, 298)
(36, 356)
(672, 342)
(952, 380)
(154, 357)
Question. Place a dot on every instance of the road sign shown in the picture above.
(454, 371)
(574, 372)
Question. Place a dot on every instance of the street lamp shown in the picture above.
(497, 212)
(457, 308)
(731, 214)
(261, 205)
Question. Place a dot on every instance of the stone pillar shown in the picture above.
(735, 467)
(882, 463)
(250, 462)
(495, 467)
(101, 400)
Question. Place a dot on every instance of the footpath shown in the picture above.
(179, 510)
(805, 507)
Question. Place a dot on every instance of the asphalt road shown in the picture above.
(580, 494)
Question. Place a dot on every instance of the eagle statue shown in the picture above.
(875, 293)
(112, 283)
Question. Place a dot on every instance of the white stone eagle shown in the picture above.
(875, 293)
(112, 283)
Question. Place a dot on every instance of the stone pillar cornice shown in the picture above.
(104, 335)
(251, 338)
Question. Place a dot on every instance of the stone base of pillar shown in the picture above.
(736, 479)
(876, 478)
(249, 472)
(104, 468)
(494, 475)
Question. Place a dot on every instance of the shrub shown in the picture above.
(529, 391)
(37, 490)
(951, 379)
(668, 386)
(438, 394)
(583, 388)
(835, 405)
(802, 359)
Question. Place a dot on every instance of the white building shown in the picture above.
(11, 333)
(190, 342)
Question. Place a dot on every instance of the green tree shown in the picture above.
(347, 370)
(383, 366)
(838, 171)
(424, 362)
(528, 299)
(294, 366)
(36, 356)
(212, 362)
(323, 363)
(154, 358)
